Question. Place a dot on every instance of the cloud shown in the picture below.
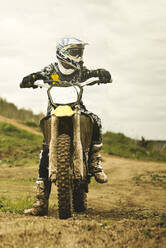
(125, 37)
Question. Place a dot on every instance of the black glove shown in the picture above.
(104, 76)
(29, 80)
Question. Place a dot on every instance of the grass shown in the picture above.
(32, 124)
(120, 145)
(8, 205)
(156, 179)
(18, 147)
(148, 233)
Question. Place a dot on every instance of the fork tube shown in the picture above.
(78, 152)
(52, 148)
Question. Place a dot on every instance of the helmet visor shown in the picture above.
(76, 52)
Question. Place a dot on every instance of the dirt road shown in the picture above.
(127, 212)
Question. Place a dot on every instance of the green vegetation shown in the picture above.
(18, 147)
(150, 177)
(16, 206)
(119, 145)
(32, 124)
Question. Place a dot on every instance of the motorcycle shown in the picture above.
(68, 134)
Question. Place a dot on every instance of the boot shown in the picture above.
(95, 164)
(40, 207)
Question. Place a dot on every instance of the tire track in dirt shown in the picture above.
(124, 213)
(131, 183)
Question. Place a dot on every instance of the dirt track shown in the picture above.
(127, 212)
(18, 125)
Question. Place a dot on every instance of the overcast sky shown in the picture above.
(126, 37)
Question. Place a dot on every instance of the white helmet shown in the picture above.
(70, 51)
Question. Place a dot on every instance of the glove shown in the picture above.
(29, 80)
(27, 85)
(104, 76)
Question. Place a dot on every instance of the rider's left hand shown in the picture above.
(104, 76)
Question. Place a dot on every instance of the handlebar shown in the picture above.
(52, 83)
(48, 83)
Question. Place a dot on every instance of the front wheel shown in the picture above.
(64, 181)
(79, 198)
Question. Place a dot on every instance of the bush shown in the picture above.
(10, 110)
(120, 145)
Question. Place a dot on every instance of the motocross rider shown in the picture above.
(69, 67)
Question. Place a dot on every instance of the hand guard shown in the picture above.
(29, 80)
(28, 85)
(104, 76)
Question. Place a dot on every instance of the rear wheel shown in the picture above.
(64, 181)
(79, 199)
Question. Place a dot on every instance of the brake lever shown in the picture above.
(98, 82)
(94, 82)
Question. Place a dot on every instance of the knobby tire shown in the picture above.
(64, 184)
(79, 199)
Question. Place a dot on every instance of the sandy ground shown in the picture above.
(129, 211)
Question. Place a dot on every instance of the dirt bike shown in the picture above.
(68, 133)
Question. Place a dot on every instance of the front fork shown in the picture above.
(77, 158)
(52, 171)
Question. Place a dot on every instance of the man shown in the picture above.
(68, 68)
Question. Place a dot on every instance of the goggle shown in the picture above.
(76, 52)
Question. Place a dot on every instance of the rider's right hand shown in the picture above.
(28, 81)
(104, 76)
